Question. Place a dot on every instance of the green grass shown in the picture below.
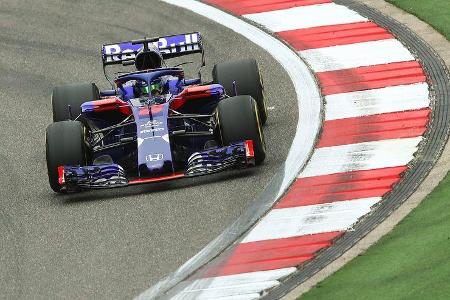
(434, 12)
(412, 261)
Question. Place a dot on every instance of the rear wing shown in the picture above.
(169, 47)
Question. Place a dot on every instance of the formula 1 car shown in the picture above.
(154, 124)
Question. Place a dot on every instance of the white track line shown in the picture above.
(311, 219)
(252, 296)
(356, 55)
(227, 291)
(306, 17)
(233, 285)
(362, 156)
(377, 101)
(308, 96)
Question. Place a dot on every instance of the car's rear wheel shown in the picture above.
(246, 74)
(72, 95)
(65, 145)
(238, 120)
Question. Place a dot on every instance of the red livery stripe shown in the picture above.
(372, 77)
(156, 179)
(374, 128)
(334, 35)
(110, 104)
(155, 109)
(190, 93)
(61, 179)
(340, 187)
(272, 254)
(256, 6)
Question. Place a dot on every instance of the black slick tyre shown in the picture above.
(246, 74)
(238, 120)
(73, 95)
(65, 145)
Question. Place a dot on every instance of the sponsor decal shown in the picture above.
(151, 130)
(154, 157)
(249, 151)
(165, 45)
(61, 178)
(164, 137)
(152, 123)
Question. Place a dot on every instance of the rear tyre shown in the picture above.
(65, 145)
(73, 95)
(248, 81)
(238, 120)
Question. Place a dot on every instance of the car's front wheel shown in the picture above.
(65, 145)
(238, 120)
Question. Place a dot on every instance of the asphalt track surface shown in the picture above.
(114, 243)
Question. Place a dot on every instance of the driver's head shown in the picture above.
(155, 88)
(144, 90)
(146, 60)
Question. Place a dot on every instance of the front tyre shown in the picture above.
(65, 145)
(238, 120)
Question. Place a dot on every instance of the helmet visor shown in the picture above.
(144, 90)
(155, 88)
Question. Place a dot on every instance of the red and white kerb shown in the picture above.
(377, 108)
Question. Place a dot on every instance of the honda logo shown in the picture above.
(154, 157)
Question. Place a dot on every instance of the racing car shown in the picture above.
(154, 124)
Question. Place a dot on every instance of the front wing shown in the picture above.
(235, 156)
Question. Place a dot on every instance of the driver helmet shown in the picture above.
(155, 88)
(144, 90)
(150, 58)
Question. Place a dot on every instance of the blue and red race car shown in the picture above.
(155, 124)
